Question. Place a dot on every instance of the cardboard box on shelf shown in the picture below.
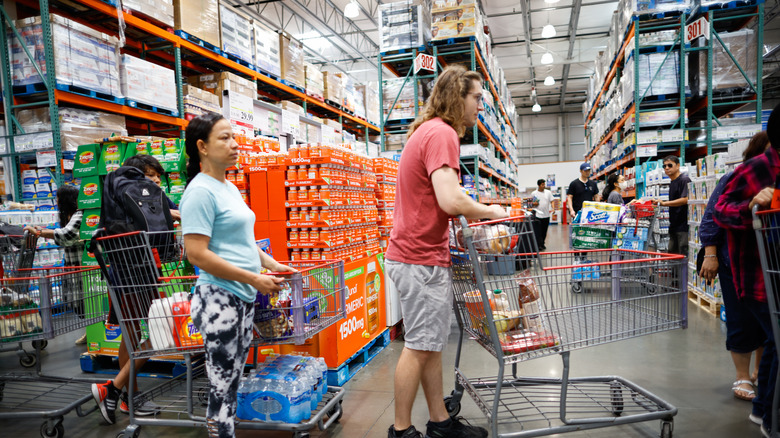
(315, 81)
(455, 29)
(160, 10)
(267, 56)
(199, 18)
(292, 60)
(456, 13)
(148, 83)
(198, 102)
(83, 57)
(404, 24)
(439, 5)
(236, 33)
(216, 83)
(371, 101)
(334, 88)
(292, 106)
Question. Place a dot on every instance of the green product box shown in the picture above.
(111, 156)
(86, 162)
(90, 193)
(175, 197)
(104, 338)
(90, 220)
(133, 149)
(88, 258)
(173, 155)
(177, 181)
(591, 238)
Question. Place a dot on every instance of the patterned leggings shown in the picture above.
(225, 321)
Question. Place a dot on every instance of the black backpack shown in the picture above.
(132, 202)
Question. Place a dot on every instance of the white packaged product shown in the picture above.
(600, 213)
(148, 83)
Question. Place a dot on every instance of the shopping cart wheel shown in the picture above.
(666, 429)
(576, 287)
(452, 405)
(130, 432)
(203, 396)
(28, 360)
(40, 344)
(616, 396)
(301, 435)
(336, 411)
(57, 431)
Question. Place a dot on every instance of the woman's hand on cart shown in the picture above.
(33, 230)
(267, 284)
(763, 198)
(279, 267)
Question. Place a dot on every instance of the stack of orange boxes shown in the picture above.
(386, 175)
(331, 208)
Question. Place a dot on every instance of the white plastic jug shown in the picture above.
(161, 325)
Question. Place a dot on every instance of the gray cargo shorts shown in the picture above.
(426, 303)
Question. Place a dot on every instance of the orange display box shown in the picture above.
(365, 318)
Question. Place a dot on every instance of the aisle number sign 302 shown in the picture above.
(424, 62)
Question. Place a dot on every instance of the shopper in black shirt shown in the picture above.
(580, 190)
(678, 206)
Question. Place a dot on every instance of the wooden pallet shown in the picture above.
(706, 302)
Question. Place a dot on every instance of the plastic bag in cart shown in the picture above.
(272, 314)
(519, 341)
(488, 239)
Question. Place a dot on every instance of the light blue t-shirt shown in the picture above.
(216, 209)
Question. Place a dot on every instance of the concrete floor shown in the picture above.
(688, 368)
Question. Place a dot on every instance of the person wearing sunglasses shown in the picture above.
(678, 206)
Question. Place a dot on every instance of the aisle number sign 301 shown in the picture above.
(424, 62)
(698, 28)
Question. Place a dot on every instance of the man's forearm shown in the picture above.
(675, 203)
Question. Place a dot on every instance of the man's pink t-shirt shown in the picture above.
(420, 233)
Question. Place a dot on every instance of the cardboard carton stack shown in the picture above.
(371, 102)
(266, 42)
(83, 57)
(199, 18)
(236, 33)
(450, 19)
(198, 102)
(292, 60)
(218, 82)
(148, 83)
(315, 81)
(160, 10)
(404, 25)
(334, 88)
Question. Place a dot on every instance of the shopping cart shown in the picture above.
(767, 227)
(632, 232)
(144, 268)
(530, 312)
(17, 253)
(40, 305)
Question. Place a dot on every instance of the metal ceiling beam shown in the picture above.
(573, 23)
(562, 37)
(515, 12)
(524, 5)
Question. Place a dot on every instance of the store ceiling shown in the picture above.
(582, 26)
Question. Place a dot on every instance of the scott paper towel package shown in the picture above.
(601, 213)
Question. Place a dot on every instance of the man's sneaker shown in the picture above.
(106, 397)
(411, 432)
(82, 340)
(456, 429)
(757, 419)
(146, 408)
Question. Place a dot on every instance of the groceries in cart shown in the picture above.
(284, 389)
(19, 315)
(170, 323)
(586, 270)
(488, 239)
(272, 313)
(601, 213)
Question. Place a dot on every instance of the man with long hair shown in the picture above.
(418, 257)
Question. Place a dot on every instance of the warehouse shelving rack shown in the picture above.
(722, 18)
(155, 44)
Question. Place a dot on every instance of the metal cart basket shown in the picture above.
(145, 268)
(41, 305)
(767, 227)
(519, 305)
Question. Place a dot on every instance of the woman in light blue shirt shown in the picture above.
(218, 229)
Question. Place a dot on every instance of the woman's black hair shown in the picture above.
(66, 202)
(611, 181)
(199, 128)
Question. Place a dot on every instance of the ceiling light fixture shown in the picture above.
(548, 31)
(351, 10)
(549, 81)
(547, 58)
(551, 1)
(536, 108)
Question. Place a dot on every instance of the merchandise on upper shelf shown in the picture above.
(83, 57)
(266, 52)
(659, 75)
(198, 102)
(726, 75)
(160, 10)
(315, 81)
(147, 83)
(292, 60)
(456, 22)
(401, 92)
(334, 88)
(218, 82)
(199, 18)
(236, 33)
(405, 24)
(371, 101)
